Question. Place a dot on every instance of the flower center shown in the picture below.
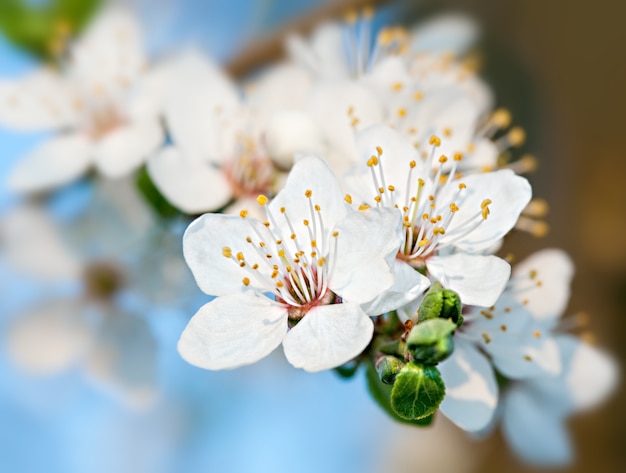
(296, 268)
(250, 172)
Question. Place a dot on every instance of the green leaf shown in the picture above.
(388, 367)
(431, 305)
(381, 393)
(417, 392)
(431, 341)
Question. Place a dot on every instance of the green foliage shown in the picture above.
(417, 392)
(348, 370)
(43, 29)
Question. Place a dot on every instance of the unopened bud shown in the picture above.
(388, 368)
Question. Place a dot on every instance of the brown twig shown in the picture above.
(270, 48)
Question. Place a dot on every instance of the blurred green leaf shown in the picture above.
(43, 29)
(152, 195)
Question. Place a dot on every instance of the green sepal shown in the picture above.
(381, 393)
(440, 302)
(388, 367)
(417, 391)
(153, 197)
(395, 348)
(348, 370)
(431, 341)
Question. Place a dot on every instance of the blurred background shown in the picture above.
(558, 66)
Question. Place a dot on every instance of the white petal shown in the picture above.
(446, 33)
(232, 331)
(329, 104)
(367, 245)
(471, 389)
(288, 132)
(201, 109)
(590, 375)
(324, 54)
(479, 280)
(33, 244)
(203, 244)
(509, 194)
(309, 173)
(535, 432)
(48, 338)
(398, 152)
(39, 101)
(56, 162)
(520, 356)
(409, 285)
(328, 336)
(278, 87)
(191, 186)
(547, 291)
(124, 358)
(123, 150)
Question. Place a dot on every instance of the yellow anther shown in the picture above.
(397, 86)
(517, 136)
(447, 132)
(335, 234)
(245, 281)
(439, 231)
(501, 118)
(262, 244)
(533, 273)
(227, 252)
(486, 314)
(262, 200)
(458, 157)
(485, 203)
(283, 210)
(348, 198)
(350, 110)
(314, 243)
(354, 122)
(391, 188)
(528, 358)
(503, 327)
(443, 159)
(539, 283)
(243, 213)
(471, 147)
(377, 199)
(248, 239)
(485, 213)
(381, 190)
(317, 208)
(423, 242)
(242, 264)
(402, 112)
(308, 193)
(462, 186)
(279, 242)
(239, 256)
(279, 284)
(306, 222)
(255, 266)
(293, 236)
(537, 334)
(454, 207)
(267, 224)
(281, 253)
(486, 338)
(321, 261)
(364, 207)
(373, 161)
(507, 309)
(412, 131)
(434, 140)
(418, 95)
(412, 164)
(425, 217)
(379, 150)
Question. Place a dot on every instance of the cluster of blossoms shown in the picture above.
(361, 199)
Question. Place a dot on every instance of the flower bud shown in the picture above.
(431, 341)
(388, 367)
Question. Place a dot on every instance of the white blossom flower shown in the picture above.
(103, 103)
(226, 147)
(449, 220)
(299, 278)
(82, 268)
(514, 333)
(553, 374)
